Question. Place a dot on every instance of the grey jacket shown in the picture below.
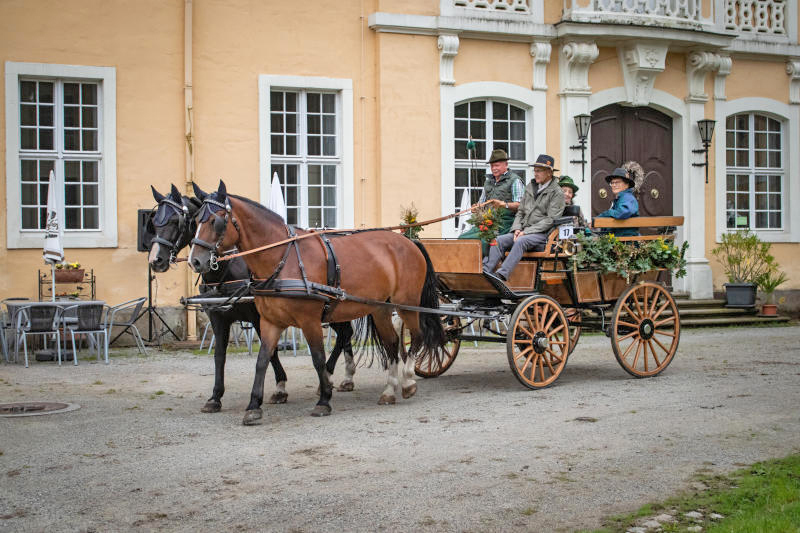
(536, 213)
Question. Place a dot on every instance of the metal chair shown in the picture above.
(127, 321)
(38, 320)
(89, 322)
(7, 325)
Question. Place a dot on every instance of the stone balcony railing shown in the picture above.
(756, 17)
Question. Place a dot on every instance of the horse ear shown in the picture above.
(157, 195)
(198, 192)
(222, 190)
(175, 194)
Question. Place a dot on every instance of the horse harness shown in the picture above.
(160, 219)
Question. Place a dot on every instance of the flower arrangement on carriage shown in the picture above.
(409, 217)
(487, 220)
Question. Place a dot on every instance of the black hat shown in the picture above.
(545, 161)
(620, 173)
(498, 155)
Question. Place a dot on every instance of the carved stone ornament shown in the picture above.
(576, 58)
(448, 48)
(725, 65)
(698, 64)
(540, 51)
(641, 63)
(793, 70)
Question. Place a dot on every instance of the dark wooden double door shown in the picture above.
(641, 134)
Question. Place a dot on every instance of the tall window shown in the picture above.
(490, 125)
(755, 172)
(306, 153)
(59, 129)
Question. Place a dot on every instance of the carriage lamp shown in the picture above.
(582, 123)
(706, 127)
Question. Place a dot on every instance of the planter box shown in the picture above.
(740, 295)
(68, 276)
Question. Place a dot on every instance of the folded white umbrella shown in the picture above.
(54, 231)
(276, 202)
(463, 225)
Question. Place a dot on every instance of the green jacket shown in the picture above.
(536, 213)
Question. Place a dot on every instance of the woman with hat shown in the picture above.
(569, 188)
(625, 204)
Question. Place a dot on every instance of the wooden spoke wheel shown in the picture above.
(431, 365)
(538, 341)
(645, 329)
(575, 318)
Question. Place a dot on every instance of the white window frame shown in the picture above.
(789, 116)
(344, 88)
(533, 102)
(106, 77)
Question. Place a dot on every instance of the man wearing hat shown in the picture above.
(625, 204)
(503, 189)
(542, 202)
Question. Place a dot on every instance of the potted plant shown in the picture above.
(745, 259)
(768, 283)
(68, 273)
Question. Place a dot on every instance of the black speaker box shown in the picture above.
(143, 237)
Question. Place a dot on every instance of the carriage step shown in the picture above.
(735, 321)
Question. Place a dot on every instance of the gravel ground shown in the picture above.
(472, 451)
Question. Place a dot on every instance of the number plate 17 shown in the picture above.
(566, 231)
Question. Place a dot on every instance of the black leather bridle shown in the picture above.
(219, 225)
(161, 220)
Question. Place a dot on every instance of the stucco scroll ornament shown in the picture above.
(540, 51)
(725, 64)
(448, 48)
(698, 64)
(641, 63)
(578, 57)
(793, 70)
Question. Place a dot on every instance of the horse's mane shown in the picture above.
(269, 213)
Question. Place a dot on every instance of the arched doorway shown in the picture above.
(641, 134)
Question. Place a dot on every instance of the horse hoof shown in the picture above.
(278, 397)
(212, 406)
(346, 386)
(385, 399)
(409, 391)
(252, 417)
(321, 410)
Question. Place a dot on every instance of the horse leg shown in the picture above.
(280, 395)
(382, 321)
(222, 329)
(313, 335)
(344, 334)
(269, 341)
(411, 320)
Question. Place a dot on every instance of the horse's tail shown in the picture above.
(433, 336)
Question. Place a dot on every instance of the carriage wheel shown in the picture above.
(538, 341)
(431, 365)
(575, 318)
(645, 329)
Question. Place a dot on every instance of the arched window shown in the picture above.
(755, 188)
(490, 124)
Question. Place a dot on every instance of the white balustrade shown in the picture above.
(756, 16)
(522, 7)
(670, 13)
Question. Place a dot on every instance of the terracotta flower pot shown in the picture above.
(769, 310)
(69, 276)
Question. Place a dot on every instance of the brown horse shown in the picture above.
(380, 266)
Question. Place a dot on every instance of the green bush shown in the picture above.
(744, 257)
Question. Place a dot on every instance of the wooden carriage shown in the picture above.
(545, 304)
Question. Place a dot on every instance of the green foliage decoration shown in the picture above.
(409, 215)
(607, 254)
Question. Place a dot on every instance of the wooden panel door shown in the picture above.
(641, 134)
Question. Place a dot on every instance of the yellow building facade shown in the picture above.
(362, 107)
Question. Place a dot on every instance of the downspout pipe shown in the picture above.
(191, 316)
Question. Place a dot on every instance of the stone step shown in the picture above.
(734, 321)
(684, 302)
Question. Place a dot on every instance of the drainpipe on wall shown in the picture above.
(191, 316)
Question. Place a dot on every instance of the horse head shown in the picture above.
(172, 224)
(214, 234)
